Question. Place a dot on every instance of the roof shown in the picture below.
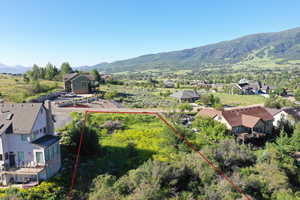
(70, 77)
(247, 116)
(209, 112)
(294, 112)
(46, 141)
(274, 111)
(185, 94)
(22, 116)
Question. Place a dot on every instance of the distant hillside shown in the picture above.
(259, 50)
(13, 69)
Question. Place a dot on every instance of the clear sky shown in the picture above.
(88, 32)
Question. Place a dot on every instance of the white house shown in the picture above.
(279, 115)
(29, 151)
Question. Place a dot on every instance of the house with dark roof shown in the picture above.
(186, 96)
(255, 87)
(79, 83)
(29, 150)
(242, 120)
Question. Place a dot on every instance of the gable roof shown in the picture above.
(21, 116)
(70, 77)
(209, 112)
(248, 116)
(274, 111)
(185, 94)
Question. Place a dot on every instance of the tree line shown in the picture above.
(49, 72)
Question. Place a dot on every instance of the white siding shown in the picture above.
(15, 143)
(278, 117)
(40, 124)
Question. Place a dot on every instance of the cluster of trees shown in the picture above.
(277, 102)
(49, 72)
(210, 100)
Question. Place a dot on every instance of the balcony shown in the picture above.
(22, 168)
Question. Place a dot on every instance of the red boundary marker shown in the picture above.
(178, 134)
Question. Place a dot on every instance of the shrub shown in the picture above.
(185, 107)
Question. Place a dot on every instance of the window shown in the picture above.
(34, 134)
(6, 156)
(52, 152)
(1, 157)
(23, 138)
(49, 171)
(57, 148)
(39, 157)
(21, 156)
(47, 154)
(45, 130)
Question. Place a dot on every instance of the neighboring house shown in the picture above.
(256, 87)
(200, 83)
(169, 84)
(29, 152)
(279, 116)
(242, 120)
(186, 96)
(293, 112)
(79, 83)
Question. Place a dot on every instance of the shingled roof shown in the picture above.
(248, 116)
(21, 116)
(70, 77)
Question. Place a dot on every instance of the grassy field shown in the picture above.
(14, 89)
(240, 100)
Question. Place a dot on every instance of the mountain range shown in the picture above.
(267, 50)
(256, 50)
(18, 69)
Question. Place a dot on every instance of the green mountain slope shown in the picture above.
(261, 50)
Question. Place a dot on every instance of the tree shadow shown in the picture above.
(116, 161)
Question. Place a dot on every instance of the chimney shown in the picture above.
(50, 125)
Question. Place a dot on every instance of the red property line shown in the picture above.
(178, 134)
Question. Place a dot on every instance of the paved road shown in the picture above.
(62, 114)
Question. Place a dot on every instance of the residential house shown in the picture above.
(242, 120)
(169, 84)
(279, 115)
(79, 83)
(255, 87)
(186, 96)
(29, 150)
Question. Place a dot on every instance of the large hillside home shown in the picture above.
(79, 83)
(186, 96)
(29, 151)
(242, 120)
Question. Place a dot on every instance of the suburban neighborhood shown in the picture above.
(150, 100)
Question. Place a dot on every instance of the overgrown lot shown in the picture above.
(132, 157)
(14, 89)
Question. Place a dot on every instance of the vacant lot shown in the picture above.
(240, 100)
(14, 89)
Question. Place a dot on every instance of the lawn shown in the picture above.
(14, 89)
(240, 100)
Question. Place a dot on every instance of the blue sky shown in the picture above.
(89, 32)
